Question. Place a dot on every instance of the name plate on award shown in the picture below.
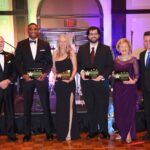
(123, 76)
(64, 75)
(34, 73)
(91, 73)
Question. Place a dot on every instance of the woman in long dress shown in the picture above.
(125, 92)
(64, 59)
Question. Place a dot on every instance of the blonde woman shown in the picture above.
(64, 60)
(125, 94)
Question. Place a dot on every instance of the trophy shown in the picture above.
(123, 76)
(91, 73)
(64, 75)
(34, 73)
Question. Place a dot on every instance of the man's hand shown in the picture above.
(67, 81)
(99, 78)
(4, 84)
(26, 77)
(42, 77)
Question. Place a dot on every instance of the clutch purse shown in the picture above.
(34, 73)
(64, 75)
(122, 76)
(91, 73)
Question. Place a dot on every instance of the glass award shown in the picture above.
(65, 75)
(123, 76)
(34, 73)
(91, 73)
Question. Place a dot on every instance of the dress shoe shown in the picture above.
(49, 137)
(92, 135)
(26, 138)
(146, 137)
(104, 135)
(12, 138)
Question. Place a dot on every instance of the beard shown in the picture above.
(94, 40)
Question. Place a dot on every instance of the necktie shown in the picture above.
(148, 59)
(33, 41)
(92, 55)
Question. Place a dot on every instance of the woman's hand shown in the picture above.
(68, 81)
(130, 81)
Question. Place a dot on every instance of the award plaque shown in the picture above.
(64, 75)
(91, 73)
(123, 76)
(34, 73)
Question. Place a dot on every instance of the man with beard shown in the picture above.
(34, 62)
(95, 56)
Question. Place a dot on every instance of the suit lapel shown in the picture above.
(97, 54)
(87, 53)
(28, 48)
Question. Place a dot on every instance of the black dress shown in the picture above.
(63, 91)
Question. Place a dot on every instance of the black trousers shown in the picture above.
(96, 96)
(28, 92)
(146, 96)
(7, 100)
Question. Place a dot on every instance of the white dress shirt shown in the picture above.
(2, 61)
(33, 47)
(93, 45)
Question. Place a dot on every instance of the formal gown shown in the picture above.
(125, 97)
(63, 92)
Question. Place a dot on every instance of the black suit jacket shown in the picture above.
(9, 68)
(103, 59)
(145, 72)
(25, 61)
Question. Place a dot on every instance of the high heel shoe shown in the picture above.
(118, 137)
(128, 140)
(68, 138)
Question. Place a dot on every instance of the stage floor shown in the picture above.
(39, 142)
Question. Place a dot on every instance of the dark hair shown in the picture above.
(93, 28)
(32, 24)
(147, 33)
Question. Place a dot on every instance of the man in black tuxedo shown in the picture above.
(145, 81)
(95, 91)
(7, 78)
(34, 54)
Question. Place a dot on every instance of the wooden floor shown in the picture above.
(38, 142)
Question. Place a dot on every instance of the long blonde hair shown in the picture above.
(68, 45)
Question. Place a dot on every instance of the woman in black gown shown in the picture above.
(64, 59)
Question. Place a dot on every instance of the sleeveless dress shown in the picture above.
(125, 97)
(63, 91)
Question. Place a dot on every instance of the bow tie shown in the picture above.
(33, 41)
(2, 53)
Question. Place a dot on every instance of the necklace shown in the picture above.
(123, 58)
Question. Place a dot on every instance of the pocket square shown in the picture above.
(42, 50)
(9, 62)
